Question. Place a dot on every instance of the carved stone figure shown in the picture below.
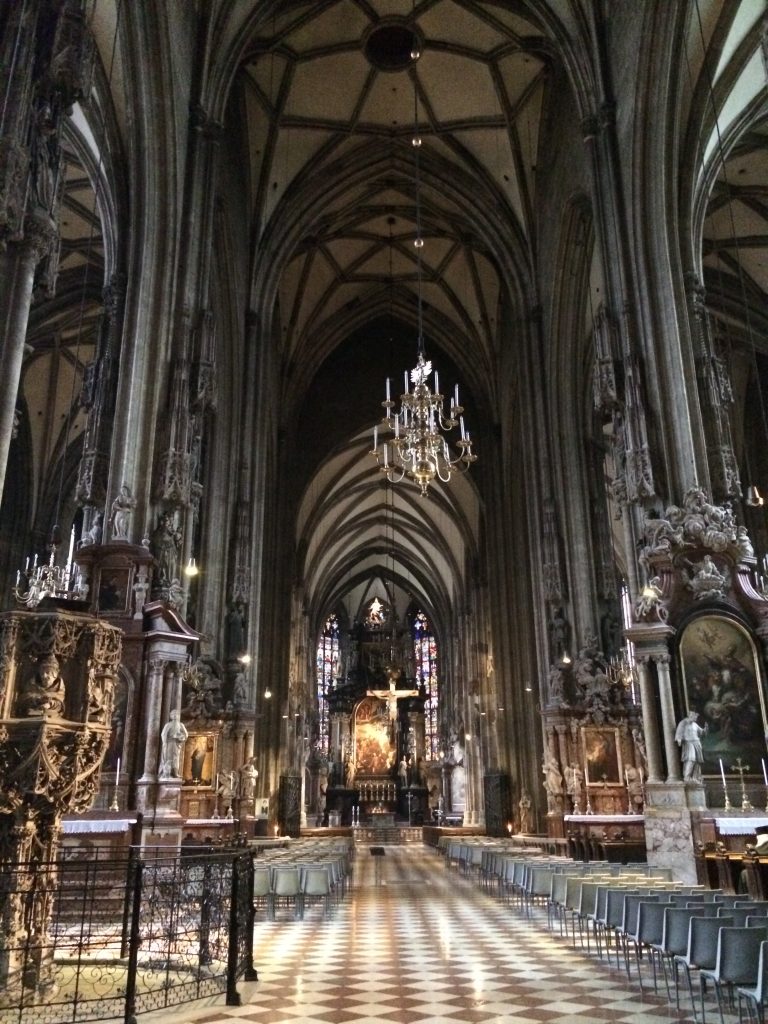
(235, 631)
(688, 737)
(649, 605)
(553, 782)
(574, 781)
(240, 691)
(121, 514)
(247, 782)
(524, 807)
(707, 581)
(559, 631)
(556, 685)
(165, 547)
(94, 535)
(172, 738)
(744, 543)
(44, 692)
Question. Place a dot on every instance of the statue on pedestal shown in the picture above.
(173, 738)
(688, 737)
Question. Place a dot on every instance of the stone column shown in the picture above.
(153, 719)
(17, 277)
(650, 727)
(668, 718)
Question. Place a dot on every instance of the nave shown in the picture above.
(426, 946)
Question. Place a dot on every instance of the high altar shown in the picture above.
(377, 768)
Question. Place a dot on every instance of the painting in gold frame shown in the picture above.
(199, 760)
(722, 682)
(602, 755)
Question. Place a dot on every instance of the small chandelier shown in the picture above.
(419, 448)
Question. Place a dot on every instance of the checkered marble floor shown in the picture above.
(426, 946)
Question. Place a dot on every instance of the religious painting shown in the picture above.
(602, 755)
(199, 760)
(114, 590)
(374, 753)
(722, 681)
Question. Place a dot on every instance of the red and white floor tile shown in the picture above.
(427, 946)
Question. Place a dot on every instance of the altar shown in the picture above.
(381, 819)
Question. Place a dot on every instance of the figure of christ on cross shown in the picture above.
(392, 695)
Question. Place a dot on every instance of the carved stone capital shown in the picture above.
(14, 164)
(41, 237)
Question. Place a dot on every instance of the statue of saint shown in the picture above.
(173, 738)
(688, 737)
(165, 547)
(121, 513)
(524, 807)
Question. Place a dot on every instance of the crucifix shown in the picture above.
(393, 695)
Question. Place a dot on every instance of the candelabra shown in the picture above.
(43, 580)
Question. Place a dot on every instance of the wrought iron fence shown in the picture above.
(124, 936)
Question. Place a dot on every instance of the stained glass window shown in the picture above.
(327, 666)
(425, 657)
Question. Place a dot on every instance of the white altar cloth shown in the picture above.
(604, 819)
(739, 826)
(80, 826)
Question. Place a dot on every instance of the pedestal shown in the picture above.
(670, 812)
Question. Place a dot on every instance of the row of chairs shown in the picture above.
(635, 912)
(298, 884)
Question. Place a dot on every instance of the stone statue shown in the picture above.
(707, 581)
(164, 545)
(121, 514)
(556, 685)
(173, 738)
(235, 630)
(524, 807)
(574, 780)
(688, 737)
(94, 535)
(44, 692)
(560, 631)
(649, 605)
(240, 691)
(553, 781)
(744, 543)
(248, 776)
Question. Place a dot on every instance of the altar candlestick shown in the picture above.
(117, 773)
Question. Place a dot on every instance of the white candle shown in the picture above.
(397, 426)
(117, 773)
(375, 438)
(461, 426)
(386, 457)
(765, 773)
(722, 772)
(437, 383)
(388, 389)
(71, 546)
(26, 565)
(405, 382)
(456, 395)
